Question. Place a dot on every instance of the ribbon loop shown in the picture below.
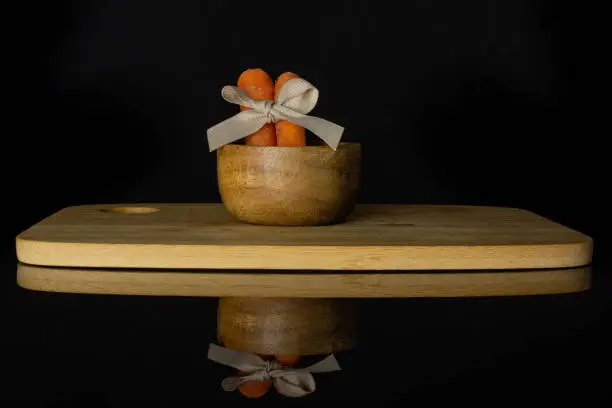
(298, 95)
(237, 96)
(296, 98)
(296, 384)
(232, 383)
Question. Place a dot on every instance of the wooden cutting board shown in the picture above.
(377, 237)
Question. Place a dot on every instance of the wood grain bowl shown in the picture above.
(289, 186)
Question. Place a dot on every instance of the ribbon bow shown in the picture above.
(291, 382)
(296, 98)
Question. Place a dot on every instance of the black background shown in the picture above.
(454, 102)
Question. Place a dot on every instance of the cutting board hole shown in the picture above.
(130, 210)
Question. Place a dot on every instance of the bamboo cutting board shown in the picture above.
(377, 237)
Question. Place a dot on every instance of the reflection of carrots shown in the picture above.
(254, 389)
(257, 389)
(287, 133)
(288, 360)
(258, 84)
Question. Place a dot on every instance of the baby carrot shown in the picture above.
(288, 133)
(288, 360)
(258, 84)
(254, 389)
(282, 79)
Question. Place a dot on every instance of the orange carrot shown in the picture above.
(254, 389)
(288, 360)
(288, 133)
(258, 84)
(282, 79)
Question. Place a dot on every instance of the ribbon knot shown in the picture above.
(296, 98)
(265, 107)
(288, 381)
(271, 366)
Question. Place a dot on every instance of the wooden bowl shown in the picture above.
(299, 186)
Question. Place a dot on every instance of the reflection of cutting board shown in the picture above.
(378, 237)
(297, 284)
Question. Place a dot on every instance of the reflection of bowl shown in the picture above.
(305, 185)
(287, 326)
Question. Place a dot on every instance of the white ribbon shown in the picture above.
(296, 98)
(291, 382)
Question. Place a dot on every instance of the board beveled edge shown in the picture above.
(305, 258)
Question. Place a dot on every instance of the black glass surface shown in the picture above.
(469, 103)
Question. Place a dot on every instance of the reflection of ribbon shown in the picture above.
(293, 103)
(292, 382)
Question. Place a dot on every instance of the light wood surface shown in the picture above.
(298, 185)
(273, 326)
(376, 237)
(303, 284)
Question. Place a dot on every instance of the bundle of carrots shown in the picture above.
(257, 389)
(260, 86)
